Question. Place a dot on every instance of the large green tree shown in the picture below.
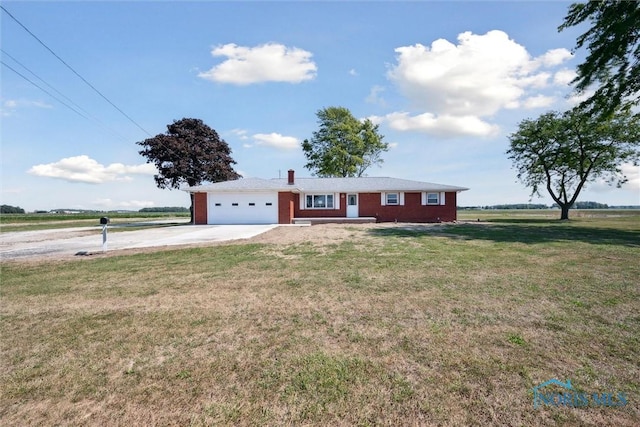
(343, 146)
(190, 153)
(11, 209)
(613, 62)
(562, 152)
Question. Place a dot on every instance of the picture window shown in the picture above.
(319, 201)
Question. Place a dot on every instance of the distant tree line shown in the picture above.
(11, 209)
(510, 206)
(577, 205)
(519, 206)
(7, 209)
(165, 209)
(585, 205)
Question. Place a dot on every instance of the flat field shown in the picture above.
(382, 324)
(46, 221)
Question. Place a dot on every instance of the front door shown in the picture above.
(352, 206)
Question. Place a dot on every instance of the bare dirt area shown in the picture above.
(323, 234)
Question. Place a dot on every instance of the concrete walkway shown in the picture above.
(70, 241)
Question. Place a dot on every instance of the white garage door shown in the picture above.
(242, 208)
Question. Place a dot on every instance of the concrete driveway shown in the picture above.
(71, 241)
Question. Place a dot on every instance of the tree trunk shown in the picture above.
(564, 214)
(193, 219)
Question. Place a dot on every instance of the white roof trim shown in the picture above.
(332, 185)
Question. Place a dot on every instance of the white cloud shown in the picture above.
(554, 57)
(457, 84)
(240, 133)
(9, 106)
(443, 125)
(376, 120)
(575, 99)
(633, 175)
(538, 101)
(374, 96)
(535, 81)
(353, 72)
(130, 204)
(269, 62)
(12, 190)
(564, 77)
(276, 140)
(85, 169)
(479, 76)
(40, 104)
(22, 103)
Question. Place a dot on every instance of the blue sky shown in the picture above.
(446, 81)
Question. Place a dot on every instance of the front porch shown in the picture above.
(334, 220)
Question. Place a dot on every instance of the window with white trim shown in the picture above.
(392, 199)
(319, 201)
(433, 198)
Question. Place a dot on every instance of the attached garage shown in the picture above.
(242, 208)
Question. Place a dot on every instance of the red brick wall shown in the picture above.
(286, 203)
(369, 205)
(412, 211)
(200, 208)
(319, 213)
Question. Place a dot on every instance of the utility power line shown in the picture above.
(67, 105)
(74, 71)
(86, 113)
(78, 75)
(5, 53)
(44, 90)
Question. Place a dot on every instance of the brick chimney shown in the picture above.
(291, 179)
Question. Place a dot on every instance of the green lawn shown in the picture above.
(441, 325)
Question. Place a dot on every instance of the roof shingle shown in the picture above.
(311, 185)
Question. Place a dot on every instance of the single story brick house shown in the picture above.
(290, 200)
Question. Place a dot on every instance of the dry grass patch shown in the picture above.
(444, 325)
